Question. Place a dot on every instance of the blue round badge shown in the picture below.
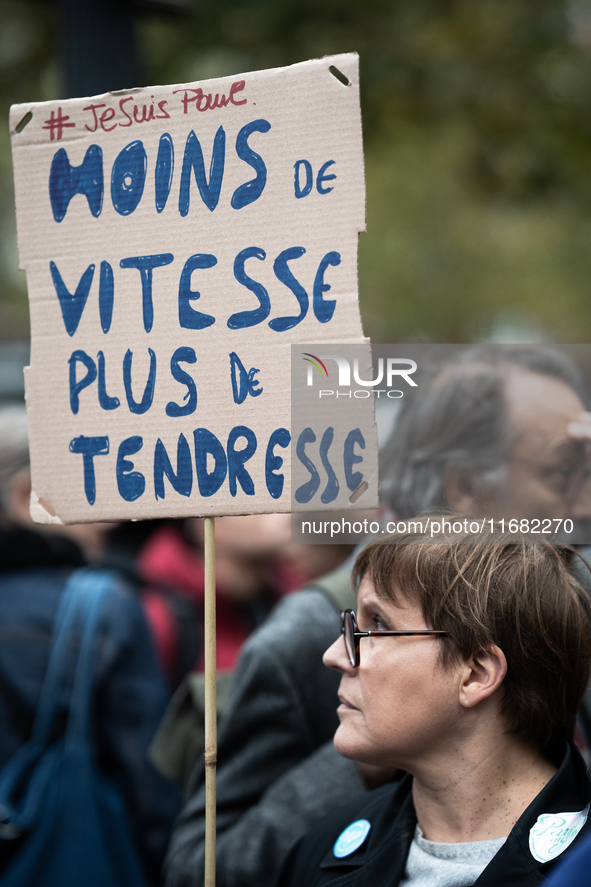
(352, 838)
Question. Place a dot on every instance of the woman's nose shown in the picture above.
(336, 656)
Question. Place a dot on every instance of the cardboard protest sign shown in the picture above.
(177, 240)
(334, 434)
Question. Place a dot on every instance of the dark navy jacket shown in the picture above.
(574, 871)
(380, 861)
(131, 694)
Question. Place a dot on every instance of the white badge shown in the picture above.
(554, 832)
(352, 838)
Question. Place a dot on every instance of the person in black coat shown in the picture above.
(131, 695)
(464, 666)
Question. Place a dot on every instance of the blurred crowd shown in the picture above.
(152, 636)
(498, 432)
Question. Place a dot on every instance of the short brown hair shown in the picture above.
(515, 593)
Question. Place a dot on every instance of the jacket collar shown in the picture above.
(568, 791)
(393, 819)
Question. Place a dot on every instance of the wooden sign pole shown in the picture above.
(210, 702)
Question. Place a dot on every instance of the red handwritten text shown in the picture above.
(205, 101)
(57, 124)
(129, 114)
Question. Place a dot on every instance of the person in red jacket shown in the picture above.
(252, 573)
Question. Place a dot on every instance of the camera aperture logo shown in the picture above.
(389, 371)
(314, 362)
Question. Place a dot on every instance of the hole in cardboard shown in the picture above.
(26, 119)
(363, 486)
(47, 507)
(125, 91)
(340, 76)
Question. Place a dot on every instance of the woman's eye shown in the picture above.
(378, 624)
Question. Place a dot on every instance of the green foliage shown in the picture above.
(477, 122)
(510, 70)
(440, 263)
(28, 72)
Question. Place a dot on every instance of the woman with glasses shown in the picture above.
(463, 665)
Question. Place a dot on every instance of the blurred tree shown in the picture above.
(477, 120)
(511, 69)
(28, 71)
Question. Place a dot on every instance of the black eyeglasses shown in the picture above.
(351, 634)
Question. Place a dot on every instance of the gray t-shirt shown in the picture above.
(431, 864)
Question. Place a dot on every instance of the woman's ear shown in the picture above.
(482, 675)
